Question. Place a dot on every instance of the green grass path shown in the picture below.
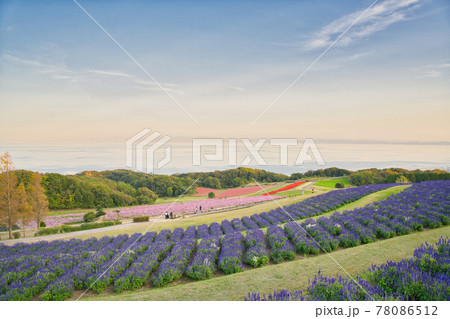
(332, 182)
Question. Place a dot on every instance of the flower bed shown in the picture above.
(241, 191)
(174, 265)
(231, 254)
(204, 264)
(204, 191)
(53, 270)
(285, 188)
(188, 207)
(281, 248)
(144, 265)
(425, 277)
(256, 254)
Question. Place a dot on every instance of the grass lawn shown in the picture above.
(274, 186)
(332, 182)
(294, 192)
(292, 275)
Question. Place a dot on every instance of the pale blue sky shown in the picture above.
(63, 81)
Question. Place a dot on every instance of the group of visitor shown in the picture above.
(169, 216)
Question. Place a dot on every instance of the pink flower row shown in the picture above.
(57, 220)
(187, 207)
(152, 210)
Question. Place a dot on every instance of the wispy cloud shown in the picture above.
(376, 19)
(149, 85)
(86, 76)
(435, 70)
(433, 74)
(358, 56)
(110, 73)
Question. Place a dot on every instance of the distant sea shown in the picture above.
(70, 159)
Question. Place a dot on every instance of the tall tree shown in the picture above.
(24, 208)
(11, 201)
(37, 199)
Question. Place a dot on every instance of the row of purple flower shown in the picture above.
(56, 269)
(425, 277)
(310, 207)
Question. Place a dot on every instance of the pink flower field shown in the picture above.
(203, 191)
(241, 191)
(186, 207)
(59, 220)
(177, 208)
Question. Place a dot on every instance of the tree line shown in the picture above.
(117, 188)
(19, 203)
(395, 175)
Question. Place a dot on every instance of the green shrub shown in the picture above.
(70, 229)
(256, 260)
(231, 265)
(211, 195)
(279, 255)
(73, 223)
(140, 219)
(42, 224)
(339, 185)
(89, 217)
(16, 235)
(99, 212)
(48, 231)
(58, 291)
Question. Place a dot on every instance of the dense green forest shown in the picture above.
(390, 175)
(125, 187)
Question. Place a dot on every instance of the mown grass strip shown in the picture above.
(332, 182)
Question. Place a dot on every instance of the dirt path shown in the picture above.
(305, 185)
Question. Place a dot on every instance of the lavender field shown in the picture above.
(423, 277)
(60, 270)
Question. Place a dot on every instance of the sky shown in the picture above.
(368, 82)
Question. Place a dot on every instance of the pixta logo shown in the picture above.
(253, 151)
(141, 148)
